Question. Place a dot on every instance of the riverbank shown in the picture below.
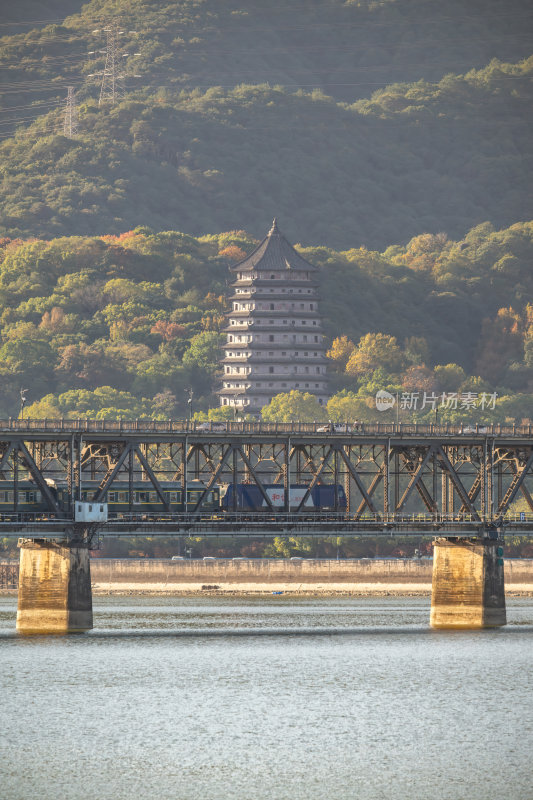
(263, 590)
(262, 577)
(298, 577)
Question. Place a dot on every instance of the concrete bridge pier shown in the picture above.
(54, 587)
(468, 584)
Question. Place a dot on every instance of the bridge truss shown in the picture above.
(398, 480)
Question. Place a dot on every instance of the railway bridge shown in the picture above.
(63, 482)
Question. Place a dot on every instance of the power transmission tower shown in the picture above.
(70, 123)
(111, 87)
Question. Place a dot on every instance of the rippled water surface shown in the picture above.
(278, 698)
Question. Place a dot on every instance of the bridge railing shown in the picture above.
(318, 517)
(343, 429)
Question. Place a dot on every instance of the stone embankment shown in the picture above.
(313, 576)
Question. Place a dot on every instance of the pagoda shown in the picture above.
(275, 341)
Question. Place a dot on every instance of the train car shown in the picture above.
(29, 498)
(248, 497)
(324, 497)
(242, 497)
(145, 499)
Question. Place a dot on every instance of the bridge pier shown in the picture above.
(468, 584)
(54, 593)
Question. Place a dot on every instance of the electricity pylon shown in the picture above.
(111, 87)
(70, 122)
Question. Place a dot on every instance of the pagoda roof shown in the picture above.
(277, 295)
(274, 253)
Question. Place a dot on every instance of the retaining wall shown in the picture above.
(412, 571)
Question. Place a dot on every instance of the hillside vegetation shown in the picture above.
(345, 47)
(391, 138)
(238, 114)
(124, 326)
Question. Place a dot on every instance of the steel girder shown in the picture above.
(381, 475)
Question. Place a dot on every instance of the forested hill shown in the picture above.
(412, 159)
(240, 113)
(121, 326)
(347, 48)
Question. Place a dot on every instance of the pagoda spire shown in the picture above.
(274, 229)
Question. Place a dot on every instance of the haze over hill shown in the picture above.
(240, 113)
(392, 139)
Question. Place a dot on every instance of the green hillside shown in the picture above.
(412, 159)
(347, 48)
(392, 139)
(240, 113)
(123, 326)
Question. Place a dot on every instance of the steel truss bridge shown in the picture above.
(416, 480)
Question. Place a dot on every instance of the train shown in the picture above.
(248, 497)
(145, 500)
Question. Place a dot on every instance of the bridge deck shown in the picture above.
(386, 478)
(163, 429)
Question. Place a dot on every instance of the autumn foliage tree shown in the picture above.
(419, 379)
(168, 330)
(340, 351)
(233, 253)
(375, 350)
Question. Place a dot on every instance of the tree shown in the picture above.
(233, 253)
(449, 377)
(419, 379)
(56, 321)
(375, 350)
(164, 405)
(340, 351)
(348, 407)
(416, 350)
(104, 402)
(168, 330)
(294, 406)
(88, 365)
(501, 343)
(204, 351)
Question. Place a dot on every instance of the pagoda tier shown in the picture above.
(274, 337)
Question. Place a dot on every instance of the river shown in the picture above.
(278, 698)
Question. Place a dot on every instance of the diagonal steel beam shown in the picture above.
(376, 480)
(474, 491)
(315, 479)
(101, 494)
(5, 458)
(208, 459)
(37, 476)
(359, 483)
(415, 478)
(454, 477)
(476, 486)
(514, 469)
(527, 496)
(214, 477)
(309, 465)
(423, 491)
(280, 473)
(149, 471)
(257, 480)
(515, 485)
(178, 474)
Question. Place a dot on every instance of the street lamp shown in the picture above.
(22, 402)
(189, 393)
